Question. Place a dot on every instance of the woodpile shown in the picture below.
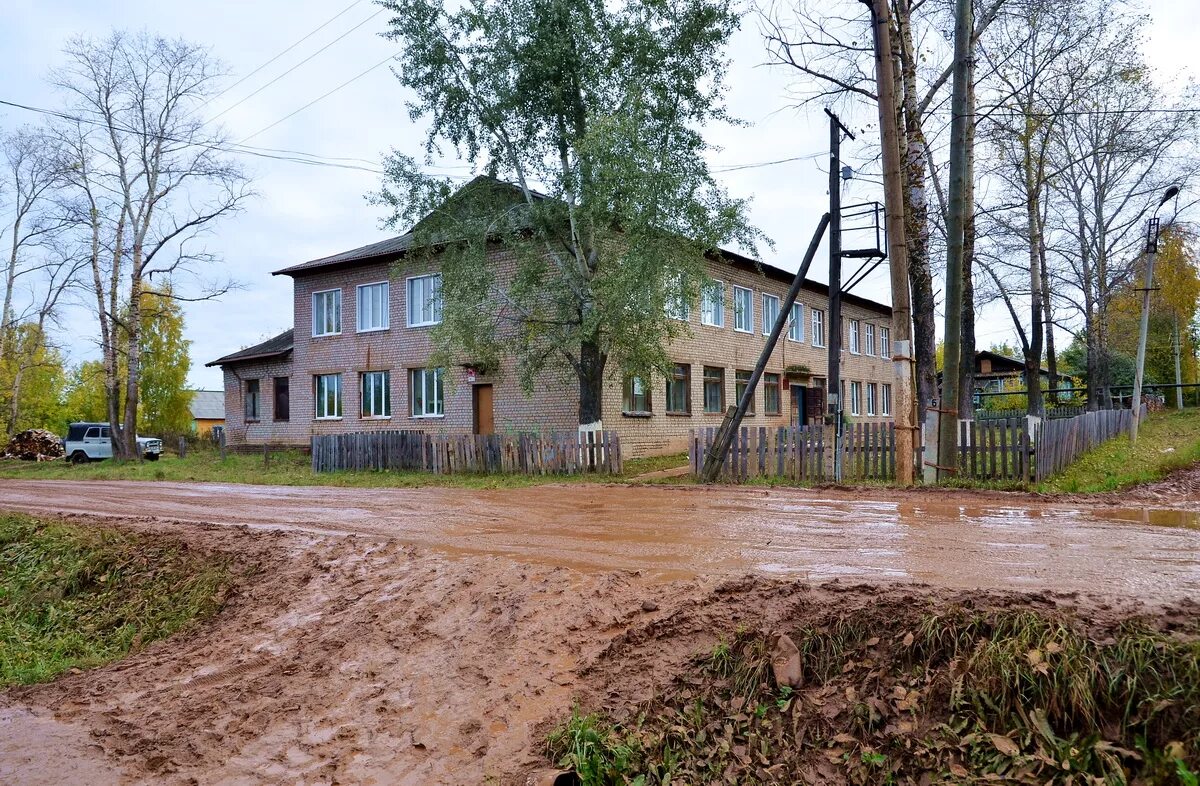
(35, 444)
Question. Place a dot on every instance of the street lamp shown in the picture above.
(1151, 257)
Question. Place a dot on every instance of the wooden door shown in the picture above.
(799, 408)
(482, 400)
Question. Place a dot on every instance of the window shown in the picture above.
(740, 380)
(770, 312)
(796, 329)
(885, 402)
(327, 313)
(818, 327)
(425, 300)
(885, 343)
(712, 304)
(771, 394)
(870, 339)
(425, 385)
(872, 394)
(679, 390)
(327, 392)
(376, 394)
(743, 309)
(373, 307)
(855, 344)
(677, 304)
(282, 409)
(251, 400)
(714, 389)
(637, 395)
(855, 398)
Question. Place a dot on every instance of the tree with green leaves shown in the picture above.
(592, 114)
(164, 407)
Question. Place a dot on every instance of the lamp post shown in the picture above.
(1151, 257)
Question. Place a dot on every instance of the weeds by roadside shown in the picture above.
(78, 596)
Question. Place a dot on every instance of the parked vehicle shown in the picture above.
(92, 442)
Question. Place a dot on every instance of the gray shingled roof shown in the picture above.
(208, 405)
(272, 347)
(384, 248)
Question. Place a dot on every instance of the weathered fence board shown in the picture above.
(442, 454)
(798, 453)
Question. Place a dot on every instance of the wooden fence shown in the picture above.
(530, 454)
(1053, 413)
(1060, 442)
(801, 453)
(995, 449)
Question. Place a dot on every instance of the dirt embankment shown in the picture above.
(359, 660)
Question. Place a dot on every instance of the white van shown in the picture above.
(91, 442)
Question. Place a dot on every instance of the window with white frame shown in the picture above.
(743, 309)
(855, 398)
(327, 313)
(712, 304)
(872, 394)
(818, 327)
(376, 394)
(869, 338)
(796, 328)
(425, 385)
(677, 305)
(885, 343)
(327, 393)
(770, 312)
(855, 332)
(372, 307)
(885, 399)
(425, 300)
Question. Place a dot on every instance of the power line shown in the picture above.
(738, 167)
(293, 68)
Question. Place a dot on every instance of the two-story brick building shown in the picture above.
(358, 359)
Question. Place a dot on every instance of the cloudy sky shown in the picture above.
(304, 212)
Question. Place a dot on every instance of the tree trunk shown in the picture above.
(591, 382)
(1033, 217)
(1048, 319)
(966, 371)
(133, 360)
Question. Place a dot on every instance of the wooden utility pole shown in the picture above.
(1144, 331)
(733, 416)
(893, 189)
(960, 121)
(834, 370)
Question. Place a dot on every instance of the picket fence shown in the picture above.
(566, 453)
(995, 449)
(798, 453)
(1060, 442)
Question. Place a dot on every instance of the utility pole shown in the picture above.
(1178, 366)
(1151, 257)
(834, 373)
(893, 189)
(955, 222)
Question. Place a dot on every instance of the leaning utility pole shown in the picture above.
(834, 344)
(893, 190)
(960, 121)
(1138, 372)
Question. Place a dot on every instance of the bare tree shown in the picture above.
(152, 179)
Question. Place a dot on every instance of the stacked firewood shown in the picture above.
(35, 444)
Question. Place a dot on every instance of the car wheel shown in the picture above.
(79, 457)
(151, 457)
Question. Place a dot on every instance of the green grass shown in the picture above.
(293, 468)
(78, 596)
(1166, 442)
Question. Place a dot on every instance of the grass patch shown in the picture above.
(916, 695)
(1167, 441)
(294, 468)
(78, 596)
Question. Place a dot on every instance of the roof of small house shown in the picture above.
(208, 405)
(272, 347)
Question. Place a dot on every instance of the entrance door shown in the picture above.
(799, 408)
(482, 400)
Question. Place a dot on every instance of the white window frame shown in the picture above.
(869, 338)
(677, 305)
(386, 392)
(885, 342)
(872, 395)
(358, 306)
(818, 326)
(855, 396)
(796, 328)
(439, 387)
(765, 300)
(885, 399)
(712, 304)
(408, 300)
(319, 397)
(855, 337)
(747, 313)
(337, 297)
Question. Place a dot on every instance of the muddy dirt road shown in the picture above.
(948, 540)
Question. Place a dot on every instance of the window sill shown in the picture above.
(711, 325)
(326, 335)
(636, 414)
(374, 330)
(739, 330)
(330, 417)
(248, 421)
(375, 417)
(423, 324)
(426, 417)
(679, 414)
